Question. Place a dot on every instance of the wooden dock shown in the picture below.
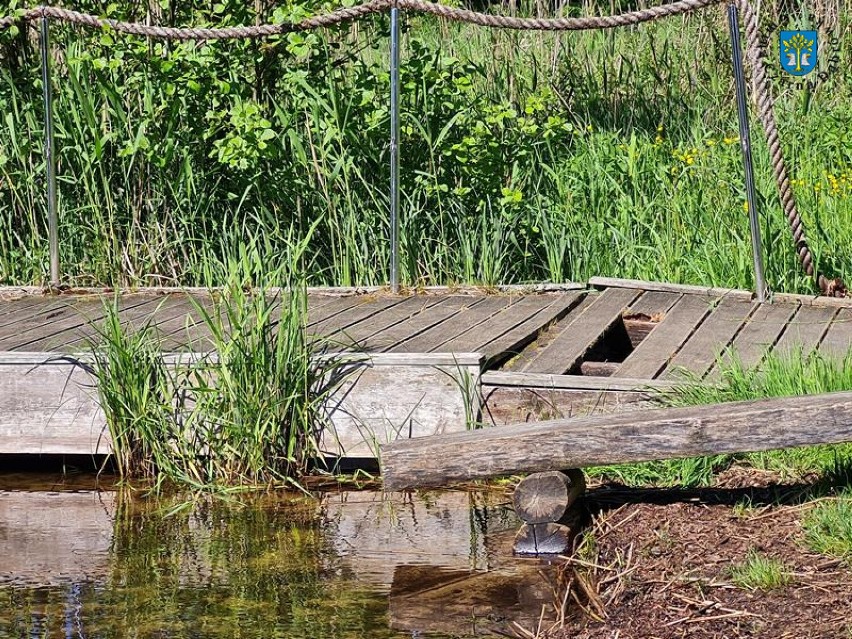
(538, 352)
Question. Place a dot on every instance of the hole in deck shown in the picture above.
(615, 344)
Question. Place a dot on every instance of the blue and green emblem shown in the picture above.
(798, 51)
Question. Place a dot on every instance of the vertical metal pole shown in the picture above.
(394, 150)
(745, 144)
(49, 154)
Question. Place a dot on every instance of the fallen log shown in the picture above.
(665, 433)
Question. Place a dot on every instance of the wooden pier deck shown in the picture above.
(544, 352)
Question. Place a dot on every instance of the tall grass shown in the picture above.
(249, 410)
(526, 157)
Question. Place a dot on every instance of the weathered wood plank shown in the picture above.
(393, 335)
(573, 382)
(688, 289)
(654, 303)
(652, 355)
(578, 337)
(432, 340)
(360, 332)
(757, 336)
(805, 330)
(512, 329)
(786, 298)
(715, 333)
(56, 321)
(623, 438)
(364, 309)
(77, 336)
(335, 306)
(44, 306)
(838, 339)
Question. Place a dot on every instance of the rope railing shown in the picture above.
(755, 56)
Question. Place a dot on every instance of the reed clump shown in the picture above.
(245, 407)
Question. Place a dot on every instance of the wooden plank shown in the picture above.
(76, 338)
(621, 438)
(429, 317)
(578, 337)
(467, 319)
(805, 330)
(715, 333)
(519, 313)
(8, 307)
(652, 355)
(337, 305)
(838, 339)
(654, 303)
(55, 321)
(688, 289)
(366, 308)
(46, 305)
(513, 341)
(757, 336)
(357, 334)
(572, 382)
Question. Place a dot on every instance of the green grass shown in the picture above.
(777, 376)
(249, 411)
(525, 156)
(828, 527)
(759, 572)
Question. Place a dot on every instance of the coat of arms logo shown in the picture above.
(798, 51)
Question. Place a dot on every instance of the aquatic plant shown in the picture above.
(244, 406)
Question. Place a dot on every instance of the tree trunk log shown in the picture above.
(545, 497)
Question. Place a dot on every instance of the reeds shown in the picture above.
(526, 157)
(244, 407)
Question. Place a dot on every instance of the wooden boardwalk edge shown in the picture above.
(655, 434)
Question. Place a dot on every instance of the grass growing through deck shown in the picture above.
(779, 375)
(248, 412)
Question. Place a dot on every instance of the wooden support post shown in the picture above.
(546, 497)
(543, 501)
(665, 433)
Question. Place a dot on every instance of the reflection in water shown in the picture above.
(87, 563)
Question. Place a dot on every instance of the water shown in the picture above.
(83, 561)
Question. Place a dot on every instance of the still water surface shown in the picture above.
(84, 561)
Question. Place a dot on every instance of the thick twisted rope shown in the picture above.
(754, 54)
(765, 110)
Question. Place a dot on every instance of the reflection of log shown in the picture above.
(609, 439)
(545, 497)
(462, 603)
(543, 539)
(550, 538)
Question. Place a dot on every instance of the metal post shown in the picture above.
(49, 155)
(745, 144)
(394, 149)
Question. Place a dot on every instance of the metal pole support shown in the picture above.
(745, 143)
(394, 149)
(49, 155)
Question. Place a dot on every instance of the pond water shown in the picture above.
(80, 559)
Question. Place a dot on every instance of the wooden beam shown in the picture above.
(611, 439)
(574, 382)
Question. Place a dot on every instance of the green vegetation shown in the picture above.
(248, 413)
(778, 375)
(526, 156)
(828, 527)
(759, 572)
